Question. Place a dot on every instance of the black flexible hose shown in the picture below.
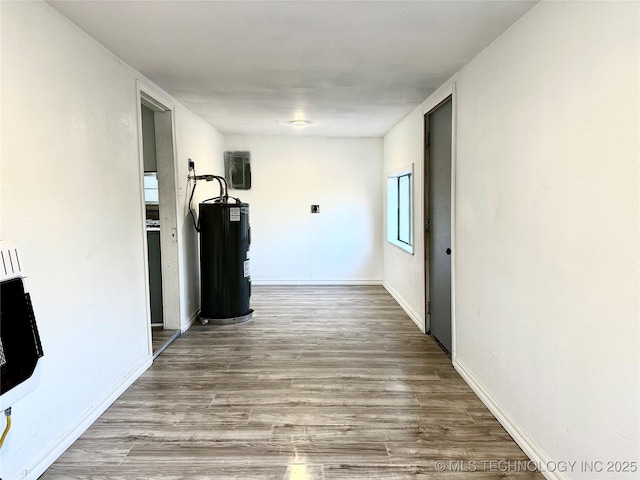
(226, 187)
(193, 217)
(219, 183)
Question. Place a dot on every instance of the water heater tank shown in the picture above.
(225, 283)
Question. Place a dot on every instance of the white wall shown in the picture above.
(342, 243)
(403, 272)
(547, 222)
(71, 200)
(198, 141)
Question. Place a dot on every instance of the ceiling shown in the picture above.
(351, 68)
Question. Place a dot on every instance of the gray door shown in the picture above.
(438, 153)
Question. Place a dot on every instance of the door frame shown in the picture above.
(169, 238)
(439, 96)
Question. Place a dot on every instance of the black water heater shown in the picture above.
(225, 283)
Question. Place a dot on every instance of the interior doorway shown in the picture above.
(438, 245)
(160, 207)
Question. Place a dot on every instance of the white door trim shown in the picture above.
(170, 240)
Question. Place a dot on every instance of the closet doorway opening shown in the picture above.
(160, 216)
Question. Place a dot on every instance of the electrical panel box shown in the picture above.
(20, 346)
(237, 170)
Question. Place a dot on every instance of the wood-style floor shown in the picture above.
(161, 338)
(323, 383)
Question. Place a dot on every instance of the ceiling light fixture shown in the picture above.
(300, 123)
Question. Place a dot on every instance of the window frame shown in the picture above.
(394, 205)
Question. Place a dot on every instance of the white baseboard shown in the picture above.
(63, 442)
(191, 321)
(510, 425)
(357, 281)
(413, 315)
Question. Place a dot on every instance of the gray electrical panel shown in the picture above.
(237, 170)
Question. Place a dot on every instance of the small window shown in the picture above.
(151, 188)
(400, 209)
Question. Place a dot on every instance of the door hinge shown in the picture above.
(427, 225)
(428, 308)
(426, 139)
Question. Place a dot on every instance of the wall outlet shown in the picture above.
(315, 208)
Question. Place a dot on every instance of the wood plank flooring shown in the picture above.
(324, 383)
(161, 338)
